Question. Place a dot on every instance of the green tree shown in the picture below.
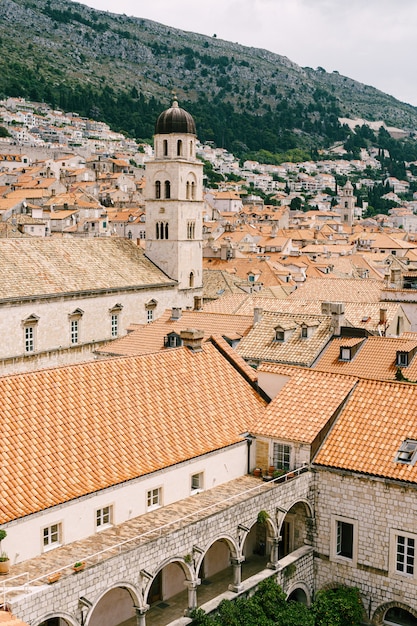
(341, 606)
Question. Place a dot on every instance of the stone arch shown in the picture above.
(214, 557)
(187, 570)
(122, 595)
(295, 526)
(381, 611)
(258, 543)
(299, 592)
(69, 619)
(228, 539)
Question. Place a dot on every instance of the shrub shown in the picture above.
(341, 606)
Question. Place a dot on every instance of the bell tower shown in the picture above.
(174, 201)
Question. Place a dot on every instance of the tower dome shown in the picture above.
(175, 120)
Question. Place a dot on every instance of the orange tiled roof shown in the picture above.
(367, 435)
(339, 290)
(304, 405)
(375, 359)
(150, 337)
(75, 430)
(260, 344)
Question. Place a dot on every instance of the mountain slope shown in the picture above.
(124, 70)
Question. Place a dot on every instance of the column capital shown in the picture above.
(192, 584)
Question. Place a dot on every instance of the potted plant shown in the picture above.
(4, 559)
(53, 578)
(78, 566)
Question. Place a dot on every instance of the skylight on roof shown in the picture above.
(407, 453)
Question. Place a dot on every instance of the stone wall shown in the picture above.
(377, 508)
(124, 569)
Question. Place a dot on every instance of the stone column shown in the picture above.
(192, 594)
(237, 574)
(273, 557)
(141, 614)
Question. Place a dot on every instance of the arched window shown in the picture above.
(161, 230)
(191, 281)
(187, 190)
(167, 189)
(157, 189)
(193, 190)
(398, 616)
(191, 148)
(165, 147)
(190, 230)
(179, 147)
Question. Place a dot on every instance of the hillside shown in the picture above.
(124, 70)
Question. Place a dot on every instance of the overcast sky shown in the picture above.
(372, 41)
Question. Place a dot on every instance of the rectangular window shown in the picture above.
(405, 555)
(154, 499)
(344, 539)
(114, 324)
(197, 483)
(74, 331)
(52, 536)
(104, 517)
(345, 354)
(281, 456)
(29, 339)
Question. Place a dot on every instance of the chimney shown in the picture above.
(257, 315)
(198, 303)
(382, 316)
(176, 313)
(337, 310)
(192, 339)
(325, 308)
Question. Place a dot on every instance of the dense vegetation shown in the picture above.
(341, 606)
(123, 70)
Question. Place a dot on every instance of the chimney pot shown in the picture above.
(192, 338)
(257, 315)
(176, 313)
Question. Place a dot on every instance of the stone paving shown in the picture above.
(137, 531)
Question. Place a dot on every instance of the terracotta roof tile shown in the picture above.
(74, 430)
(376, 357)
(150, 337)
(52, 266)
(260, 343)
(304, 405)
(368, 434)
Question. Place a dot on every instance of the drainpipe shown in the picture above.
(249, 438)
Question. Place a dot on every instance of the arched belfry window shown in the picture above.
(187, 190)
(191, 148)
(193, 190)
(191, 279)
(179, 147)
(167, 189)
(165, 147)
(161, 230)
(157, 189)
